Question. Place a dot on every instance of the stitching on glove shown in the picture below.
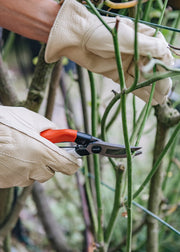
(8, 155)
(58, 18)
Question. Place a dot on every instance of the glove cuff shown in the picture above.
(65, 37)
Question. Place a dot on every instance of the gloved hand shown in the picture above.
(81, 37)
(25, 156)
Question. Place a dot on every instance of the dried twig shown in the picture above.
(53, 231)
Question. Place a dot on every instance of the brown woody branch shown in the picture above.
(166, 117)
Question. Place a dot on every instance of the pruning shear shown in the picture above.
(87, 144)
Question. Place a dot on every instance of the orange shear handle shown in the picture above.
(60, 135)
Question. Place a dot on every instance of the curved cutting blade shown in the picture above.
(111, 150)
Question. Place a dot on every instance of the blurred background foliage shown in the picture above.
(62, 192)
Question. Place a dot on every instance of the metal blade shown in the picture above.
(110, 150)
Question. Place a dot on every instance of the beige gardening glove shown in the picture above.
(81, 37)
(25, 156)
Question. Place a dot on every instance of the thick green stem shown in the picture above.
(95, 11)
(90, 199)
(100, 234)
(129, 172)
(116, 205)
(125, 133)
(93, 104)
(82, 90)
(153, 79)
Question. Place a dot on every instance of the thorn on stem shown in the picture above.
(117, 23)
(114, 92)
(123, 91)
(121, 167)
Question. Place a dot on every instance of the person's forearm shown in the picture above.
(32, 19)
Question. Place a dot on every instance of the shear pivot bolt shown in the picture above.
(96, 149)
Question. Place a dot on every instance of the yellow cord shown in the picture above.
(125, 5)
